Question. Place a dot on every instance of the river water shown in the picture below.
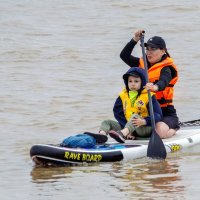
(60, 74)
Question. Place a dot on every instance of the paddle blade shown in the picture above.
(156, 148)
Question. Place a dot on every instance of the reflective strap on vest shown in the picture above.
(164, 101)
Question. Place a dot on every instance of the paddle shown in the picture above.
(156, 148)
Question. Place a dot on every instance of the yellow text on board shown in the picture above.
(85, 157)
(175, 147)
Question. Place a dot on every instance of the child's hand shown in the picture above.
(137, 122)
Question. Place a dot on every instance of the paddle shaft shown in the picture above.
(156, 148)
(147, 80)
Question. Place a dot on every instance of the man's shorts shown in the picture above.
(171, 121)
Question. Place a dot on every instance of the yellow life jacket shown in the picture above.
(164, 97)
(139, 107)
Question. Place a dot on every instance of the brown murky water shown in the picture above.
(60, 74)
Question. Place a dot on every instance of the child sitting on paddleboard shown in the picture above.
(131, 109)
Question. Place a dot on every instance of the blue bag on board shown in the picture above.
(79, 140)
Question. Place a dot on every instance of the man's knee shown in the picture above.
(162, 130)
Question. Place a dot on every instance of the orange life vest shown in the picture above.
(164, 97)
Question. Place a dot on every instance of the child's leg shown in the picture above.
(108, 125)
(125, 133)
(144, 131)
(129, 127)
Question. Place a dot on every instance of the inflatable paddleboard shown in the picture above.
(47, 154)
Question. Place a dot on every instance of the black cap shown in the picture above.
(156, 42)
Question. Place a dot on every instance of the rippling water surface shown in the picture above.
(60, 74)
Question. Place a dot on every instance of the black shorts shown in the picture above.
(171, 121)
